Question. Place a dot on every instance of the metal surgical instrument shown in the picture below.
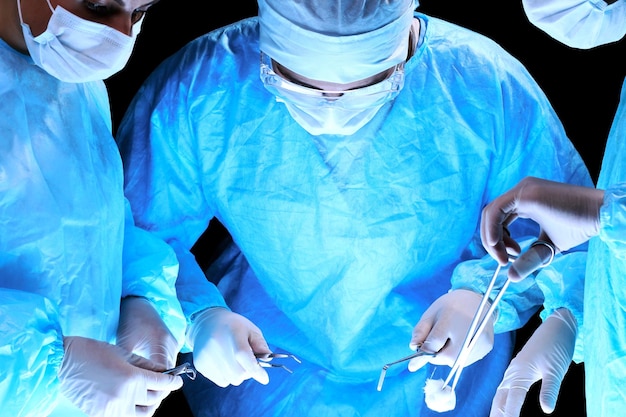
(183, 369)
(264, 360)
(476, 327)
(419, 352)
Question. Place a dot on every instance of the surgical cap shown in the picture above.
(336, 41)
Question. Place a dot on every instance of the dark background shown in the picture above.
(583, 86)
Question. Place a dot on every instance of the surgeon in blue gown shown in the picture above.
(349, 151)
(81, 288)
(583, 320)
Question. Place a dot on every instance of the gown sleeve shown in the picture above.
(157, 130)
(150, 269)
(31, 352)
(536, 144)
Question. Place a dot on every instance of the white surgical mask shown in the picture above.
(76, 50)
(331, 120)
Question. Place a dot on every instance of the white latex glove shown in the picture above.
(443, 328)
(142, 331)
(104, 380)
(546, 356)
(568, 216)
(224, 344)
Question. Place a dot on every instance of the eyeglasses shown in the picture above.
(358, 98)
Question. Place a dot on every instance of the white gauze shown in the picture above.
(439, 397)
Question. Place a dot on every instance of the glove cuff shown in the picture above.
(196, 321)
(566, 316)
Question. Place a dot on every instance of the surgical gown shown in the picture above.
(579, 23)
(69, 250)
(341, 243)
(605, 292)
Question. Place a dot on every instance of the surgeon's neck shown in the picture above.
(10, 28)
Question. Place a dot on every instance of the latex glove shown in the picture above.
(105, 380)
(142, 331)
(443, 328)
(568, 216)
(546, 356)
(224, 344)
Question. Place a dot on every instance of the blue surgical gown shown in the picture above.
(69, 250)
(344, 241)
(604, 328)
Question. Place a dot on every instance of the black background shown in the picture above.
(583, 86)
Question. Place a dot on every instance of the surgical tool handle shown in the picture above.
(476, 327)
(182, 369)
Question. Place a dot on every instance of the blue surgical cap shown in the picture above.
(336, 41)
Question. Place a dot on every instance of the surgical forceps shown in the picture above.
(264, 360)
(477, 325)
(419, 352)
(473, 333)
(183, 369)
(476, 328)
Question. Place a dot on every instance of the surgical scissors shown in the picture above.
(264, 360)
(183, 369)
(383, 373)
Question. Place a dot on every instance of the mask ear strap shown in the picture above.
(50, 6)
(19, 9)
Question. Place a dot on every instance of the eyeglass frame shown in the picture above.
(304, 96)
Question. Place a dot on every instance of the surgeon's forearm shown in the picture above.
(195, 292)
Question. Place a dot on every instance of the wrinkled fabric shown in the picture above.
(612, 219)
(605, 292)
(579, 24)
(362, 49)
(348, 239)
(66, 257)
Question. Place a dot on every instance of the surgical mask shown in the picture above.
(331, 121)
(331, 112)
(76, 50)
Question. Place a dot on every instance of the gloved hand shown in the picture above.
(547, 355)
(443, 328)
(224, 344)
(142, 331)
(568, 215)
(105, 380)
